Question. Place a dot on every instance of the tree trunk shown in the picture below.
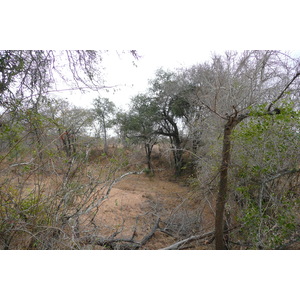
(105, 136)
(39, 142)
(178, 161)
(223, 187)
(63, 139)
(148, 150)
(177, 153)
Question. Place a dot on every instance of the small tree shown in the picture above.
(104, 110)
(140, 124)
(68, 123)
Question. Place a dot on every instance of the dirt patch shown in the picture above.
(138, 206)
(136, 202)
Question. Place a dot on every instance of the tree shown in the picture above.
(29, 74)
(26, 77)
(68, 123)
(104, 111)
(229, 88)
(40, 189)
(169, 97)
(140, 124)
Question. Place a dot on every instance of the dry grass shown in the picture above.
(130, 210)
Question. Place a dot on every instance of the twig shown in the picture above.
(22, 164)
(105, 197)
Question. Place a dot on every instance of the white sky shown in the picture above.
(133, 79)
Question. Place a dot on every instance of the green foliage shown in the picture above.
(149, 172)
(144, 116)
(33, 207)
(265, 145)
(15, 208)
(171, 97)
(270, 137)
(271, 226)
(119, 160)
(11, 64)
(104, 110)
(11, 136)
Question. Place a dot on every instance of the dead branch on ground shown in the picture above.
(121, 243)
(178, 245)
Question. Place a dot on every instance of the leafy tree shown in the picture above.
(169, 97)
(166, 110)
(141, 122)
(104, 110)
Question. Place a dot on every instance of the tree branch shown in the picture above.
(188, 240)
(197, 237)
(126, 243)
(282, 93)
(149, 236)
(281, 173)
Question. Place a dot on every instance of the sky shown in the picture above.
(131, 76)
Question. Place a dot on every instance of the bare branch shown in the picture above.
(281, 173)
(105, 197)
(188, 240)
(150, 235)
(283, 91)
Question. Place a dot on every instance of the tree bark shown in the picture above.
(148, 150)
(105, 136)
(223, 183)
(170, 129)
(223, 186)
(177, 153)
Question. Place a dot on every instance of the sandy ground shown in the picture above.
(137, 201)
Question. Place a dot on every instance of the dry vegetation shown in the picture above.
(87, 206)
(207, 157)
(109, 202)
